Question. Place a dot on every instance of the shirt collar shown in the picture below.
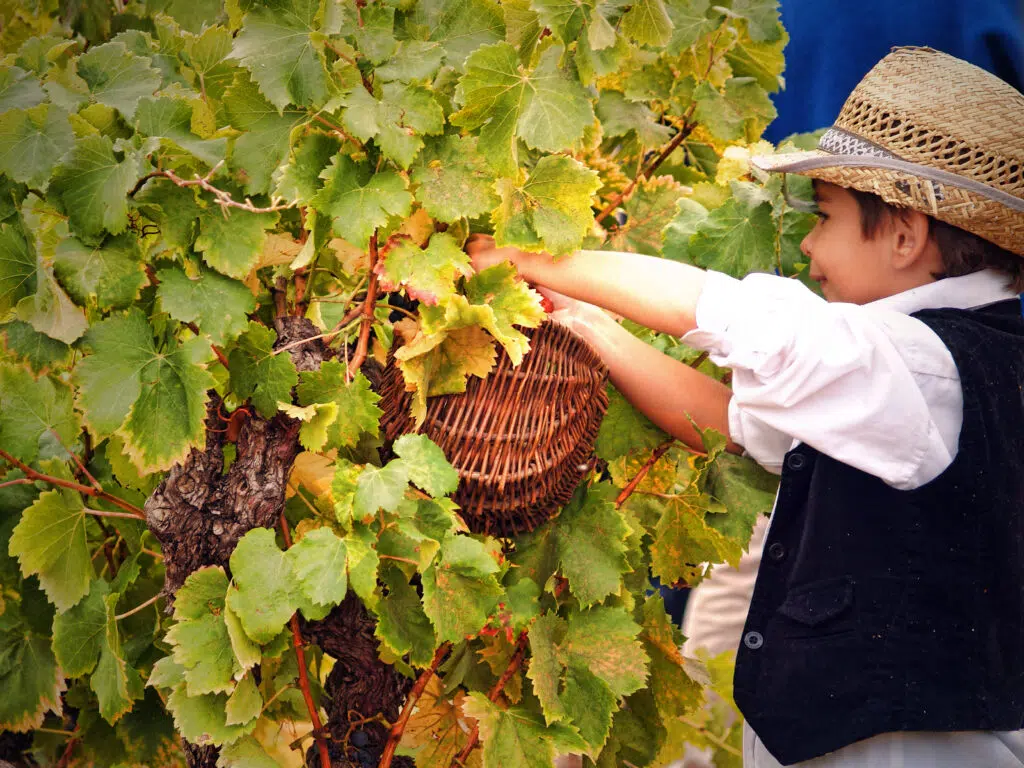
(967, 292)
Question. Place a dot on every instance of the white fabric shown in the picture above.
(868, 385)
(955, 749)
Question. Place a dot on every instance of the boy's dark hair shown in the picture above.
(962, 252)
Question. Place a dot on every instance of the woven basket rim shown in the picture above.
(927, 131)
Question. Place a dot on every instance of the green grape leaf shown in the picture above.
(619, 117)
(202, 647)
(174, 211)
(683, 542)
(257, 374)
(650, 208)
(343, 490)
(363, 563)
(762, 18)
(359, 200)
(316, 420)
(19, 89)
(17, 267)
(109, 275)
(647, 22)
(50, 542)
(442, 362)
(244, 704)
(566, 18)
(427, 465)
(625, 430)
(32, 411)
(516, 736)
(217, 304)
(319, 562)
(115, 682)
(742, 110)
(376, 33)
(277, 45)
(80, 631)
(118, 78)
(159, 422)
(589, 705)
(166, 673)
(203, 719)
(299, 179)
(380, 488)
(547, 108)
(546, 666)
(674, 691)
(551, 210)
(463, 26)
(736, 239)
(232, 244)
(264, 593)
(405, 113)
(745, 489)
(691, 21)
(413, 60)
(762, 61)
(460, 589)
(33, 141)
(247, 653)
(32, 680)
(93, 186)
(679, 232)
(454, 180)
(37, 349)
(247, 752)
(50, 310)
(590, 536)
(512, 302)
(264, 143)
(402, 625)
(427, 274)
(357, 412)
(171, 118)
(522, 26)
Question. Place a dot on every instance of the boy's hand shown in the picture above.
(575, 315)
(483, 254)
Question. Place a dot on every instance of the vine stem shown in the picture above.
(138, 608)
(222, 198)
(103, 513)
(367, 315)
(632, 484)
(338, 328)
(31, 474)
(298, 642)
(410, 702)
(513, 666)
(66, 756)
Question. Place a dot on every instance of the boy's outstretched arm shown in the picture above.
(656, 293)
(667, 391)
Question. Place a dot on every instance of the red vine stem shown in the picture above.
(221, 198)
(367, 320)
(632, 484)
(513, 666)
(418, 688)
(298, 642)
(678, 139)
(66, 756)
(31, 474)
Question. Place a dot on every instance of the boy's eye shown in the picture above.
(820, 213)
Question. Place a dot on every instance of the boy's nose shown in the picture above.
(805, 244)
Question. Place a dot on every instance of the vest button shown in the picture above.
(753, 640)
(796, 461)
(776, 552)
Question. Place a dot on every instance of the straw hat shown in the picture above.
(927, 131)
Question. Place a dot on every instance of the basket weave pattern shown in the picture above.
(522, 438)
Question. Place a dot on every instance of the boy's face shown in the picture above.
(850, 267)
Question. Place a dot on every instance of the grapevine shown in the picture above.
(219, 221)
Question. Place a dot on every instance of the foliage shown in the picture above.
(174, 175)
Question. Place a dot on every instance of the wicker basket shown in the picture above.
(522, 438)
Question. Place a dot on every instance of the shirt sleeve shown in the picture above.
(873, 388)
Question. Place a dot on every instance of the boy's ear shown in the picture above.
(910, 238)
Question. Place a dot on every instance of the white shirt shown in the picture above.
(867, 385)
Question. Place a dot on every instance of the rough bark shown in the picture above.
(199, 512)
(360, 685)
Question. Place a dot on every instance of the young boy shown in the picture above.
(887, 621)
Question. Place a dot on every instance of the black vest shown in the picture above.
(879, 610)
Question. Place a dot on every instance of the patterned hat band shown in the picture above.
(848, 150)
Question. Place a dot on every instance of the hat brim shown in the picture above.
(953, 204)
